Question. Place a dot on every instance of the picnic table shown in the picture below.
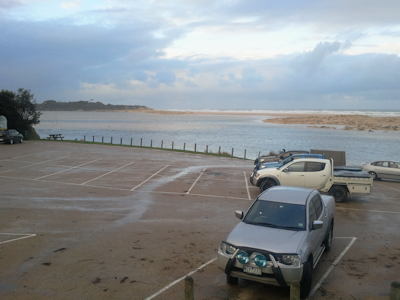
(56, 136)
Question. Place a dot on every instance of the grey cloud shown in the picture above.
(312, 60)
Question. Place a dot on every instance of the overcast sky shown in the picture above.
(203, 54)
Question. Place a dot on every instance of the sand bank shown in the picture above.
(350, 122)
(327, 121)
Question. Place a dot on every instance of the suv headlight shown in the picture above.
(289, 259)
(227, 248)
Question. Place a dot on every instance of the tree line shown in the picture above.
(53, 105)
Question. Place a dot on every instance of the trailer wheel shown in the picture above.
(339, 193)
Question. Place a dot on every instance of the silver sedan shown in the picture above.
(383, 169)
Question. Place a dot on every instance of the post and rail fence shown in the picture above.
(173, 146)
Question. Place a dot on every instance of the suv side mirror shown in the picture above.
(285, 170)
(239, 214)
(317, 224)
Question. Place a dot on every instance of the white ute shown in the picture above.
(316, 174)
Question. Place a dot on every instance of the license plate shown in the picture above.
(252, 270)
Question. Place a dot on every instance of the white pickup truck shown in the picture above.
(316, 174)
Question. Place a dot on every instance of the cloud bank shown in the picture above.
(205, 54)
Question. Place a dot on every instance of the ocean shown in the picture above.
(242, 133)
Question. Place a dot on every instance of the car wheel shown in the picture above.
(339, 193)
(328, 240)
(373, 175)
(21, 140)
(306, 280)
(11, 141)
(232, 280)
(266, 185)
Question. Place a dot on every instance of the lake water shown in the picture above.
(240, 132)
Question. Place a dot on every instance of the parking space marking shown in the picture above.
(66, 169)
(371, 210)
(247, 186)
(180, 279)
(107, 173)
(149, 178)
(25, 236)
(389, 187)
(353, 239)
(196, 181)
(42, 162)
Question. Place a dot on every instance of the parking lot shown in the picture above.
(86, 221)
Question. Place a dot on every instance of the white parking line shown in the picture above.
(389, 187)
(66, 169)
(42, 162)
(195, 181)
(353, 239)
(247, 186)
(107, 173)
(180, 279)
(371, 210)
(149, 178)
(20, 238)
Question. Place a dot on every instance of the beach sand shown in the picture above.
(327, 121)
(350, 122)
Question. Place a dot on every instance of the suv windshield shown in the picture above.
(277, 214)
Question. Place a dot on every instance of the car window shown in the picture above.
(312, 214)
(385, 164)
(312, 166)
(296, 167)
(379, 164)
(317, 205)
(277, 214)
(393, 164)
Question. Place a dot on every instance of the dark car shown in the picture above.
(281, 156)
(11, 136)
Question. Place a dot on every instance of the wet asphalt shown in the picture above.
(86, 221)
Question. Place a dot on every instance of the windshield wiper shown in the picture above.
(291, 227)
(262, 224)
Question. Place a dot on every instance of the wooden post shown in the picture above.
(295, 291)
(184, 146)
(131, 141)
(244, 154)
(194, 147)
(84, 138)
(162, 142)
(395, 290)
(93, 139)
(189, 288)
(207, 149)
(219, 150)
(232, 152)
(151, 144)
(172, 145)
(141, 142)
(121, 141)
(102, 139)
(258, 154)
(111, 140)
